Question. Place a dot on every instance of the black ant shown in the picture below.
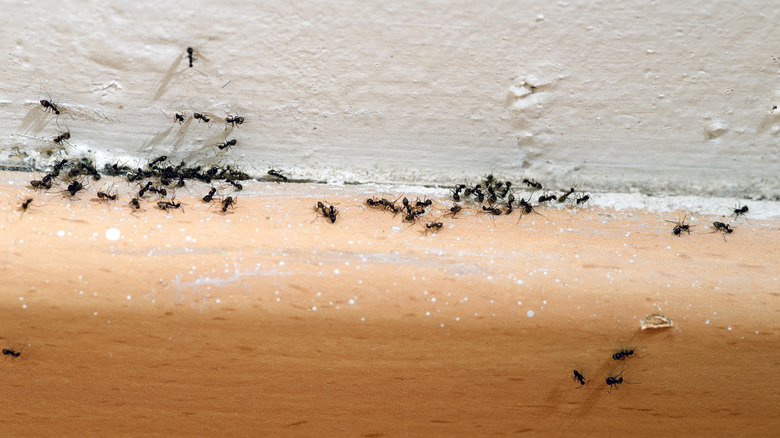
(623, 354)
(332, 213)
(456, 192)
(189, 54)
(60, 138)
(12, 353)
(613, 382)
(157, 160)
(45, 183)
(412, 216)
(492, 210)
(178, 118)
(724, 228)
(455, 209)
(277, 174)
(210, 196)
(680, 227)
(74, 187)
(434, 226)
(578, 378)
(106, 196)
(165, 205)
(547, 197)
(227, 202)
(566, 194)
(532, 183)
(238, 186)
(234, 120)
(507, 186)
(135, 204)
(227, 144)
(478, 192)
(740, 211)
(142, 192)
(48, 106)
(58, 166)
(582, 200)
(25, 205)
(509, 202)
(201, 117)
(161, 191)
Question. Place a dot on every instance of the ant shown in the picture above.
(12, 353)
(509, 202)
(566, 194)
(135, 204)
(480, 195)
(227, 202)
(740, 211)
(332, 212)
(162, 192)
(25, 205)
(532, 183)
(680, 227)
(48, 106)
(45, 183)
(455, 209)
(165, 205)
(234, 120)
(64, 136)
(613, 382)
(74, 187)
(526, 208)
(623, 354)
(157, 160)
(548, 197)
(724, 228)
(492, 210)
(210, 196)
(456, 192)
(142, 192)
(189, 54)
(201, 117)
(434, 226)
(578, 378)
(507, 186)
(582, 200)
(238, 186)
(106, 196)
(227, 144)
(277, 174)
(178, 118)
(412, 216)
(58, 166)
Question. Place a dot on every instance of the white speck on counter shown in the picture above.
(530, 314)
(707, 322)
(112, 234)
(129, 297)
(519, 303)
(60, 233)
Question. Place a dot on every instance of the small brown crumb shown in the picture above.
(656, 321)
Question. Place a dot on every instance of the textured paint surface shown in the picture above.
(657, 97)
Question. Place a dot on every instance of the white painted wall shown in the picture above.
(660, 96)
